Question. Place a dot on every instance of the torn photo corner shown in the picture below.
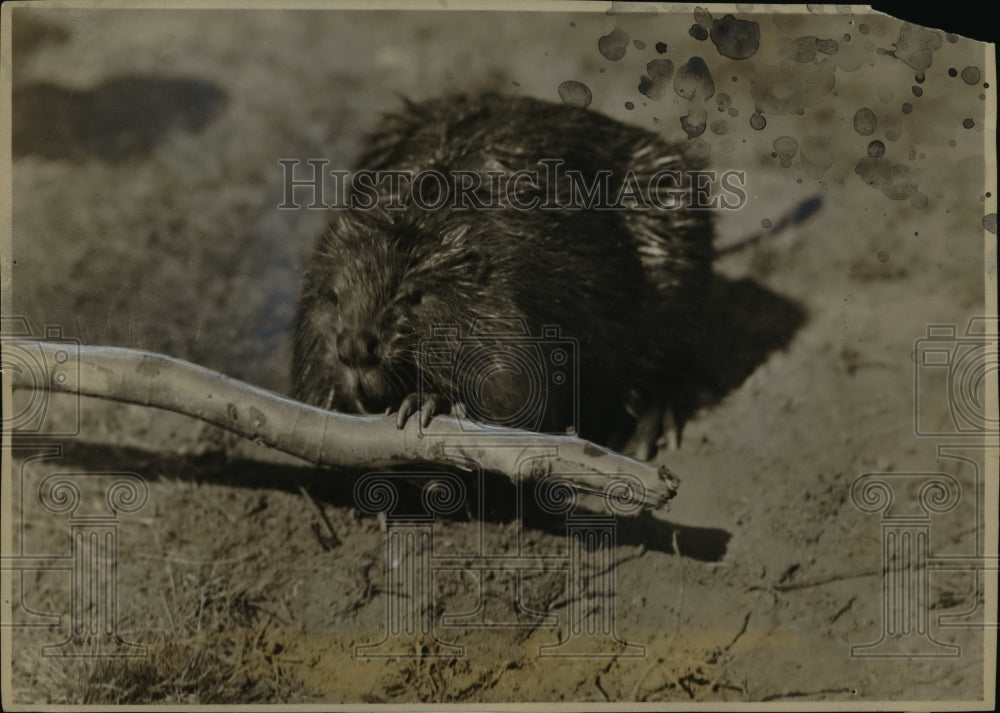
(500, 356)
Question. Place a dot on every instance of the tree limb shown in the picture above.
(331, 439)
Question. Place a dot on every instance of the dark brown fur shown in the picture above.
(628, 286)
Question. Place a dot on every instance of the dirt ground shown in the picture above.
(145, 187)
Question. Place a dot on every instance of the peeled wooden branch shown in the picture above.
(327, 438)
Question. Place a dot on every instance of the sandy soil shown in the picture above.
(145, 191)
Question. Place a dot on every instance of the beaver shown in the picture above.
(513, 273)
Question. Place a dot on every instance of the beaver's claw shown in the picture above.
(428, 405)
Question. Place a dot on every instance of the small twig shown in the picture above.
(843, 609)
(741, 632)
(803, 694)
(597, 683)
(328, 537)
(814, 583)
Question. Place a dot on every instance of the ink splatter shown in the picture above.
(804, 49)
(661, 47)
(698, 32)
(719, 127)
(892, 127)
(694, 123)
(757, 121)
(917, 91)
(698, 152)
(654, 83)
(733, 112)
(694, 81)
(765, 224)
(876, 149)
(896, 181)
(970, 75)
(703, 17)
(916, 45)
(736, 39)
(817, 156)
(630, 106)
(575, 94)
(968, 123)
(827, 47)
(882, 256)
(952, 72)
(785, 148)
(865, 121)
(791, 87)
(990, 222)
(612, 46)
(919, 77)
(907, 108)
(639, 44)
(801, 49)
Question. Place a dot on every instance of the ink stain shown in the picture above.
(719, 127)
(629, 105)
(882, 256)
(792, 87)
(919, 77)
(865, 121)
(876, 149)
(917, 91)
(785, 148)
(693, 80)
(703, 18)
(757, 121)
(892, 127)
(653, 84)
(733, 112)
(915, 46)
(639, 44)
(613, 46)
(661, 47)
(907, 108)
(735, 39)
(698, 32)
(968, 123)
(885, 93)
(817, 155)
(765, 224)
(970, 75)
(990, 222)
(952, 72)
(694, 123)
(575, 94)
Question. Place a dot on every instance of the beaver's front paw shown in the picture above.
(428, 405)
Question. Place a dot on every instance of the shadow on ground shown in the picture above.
(120, 119)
